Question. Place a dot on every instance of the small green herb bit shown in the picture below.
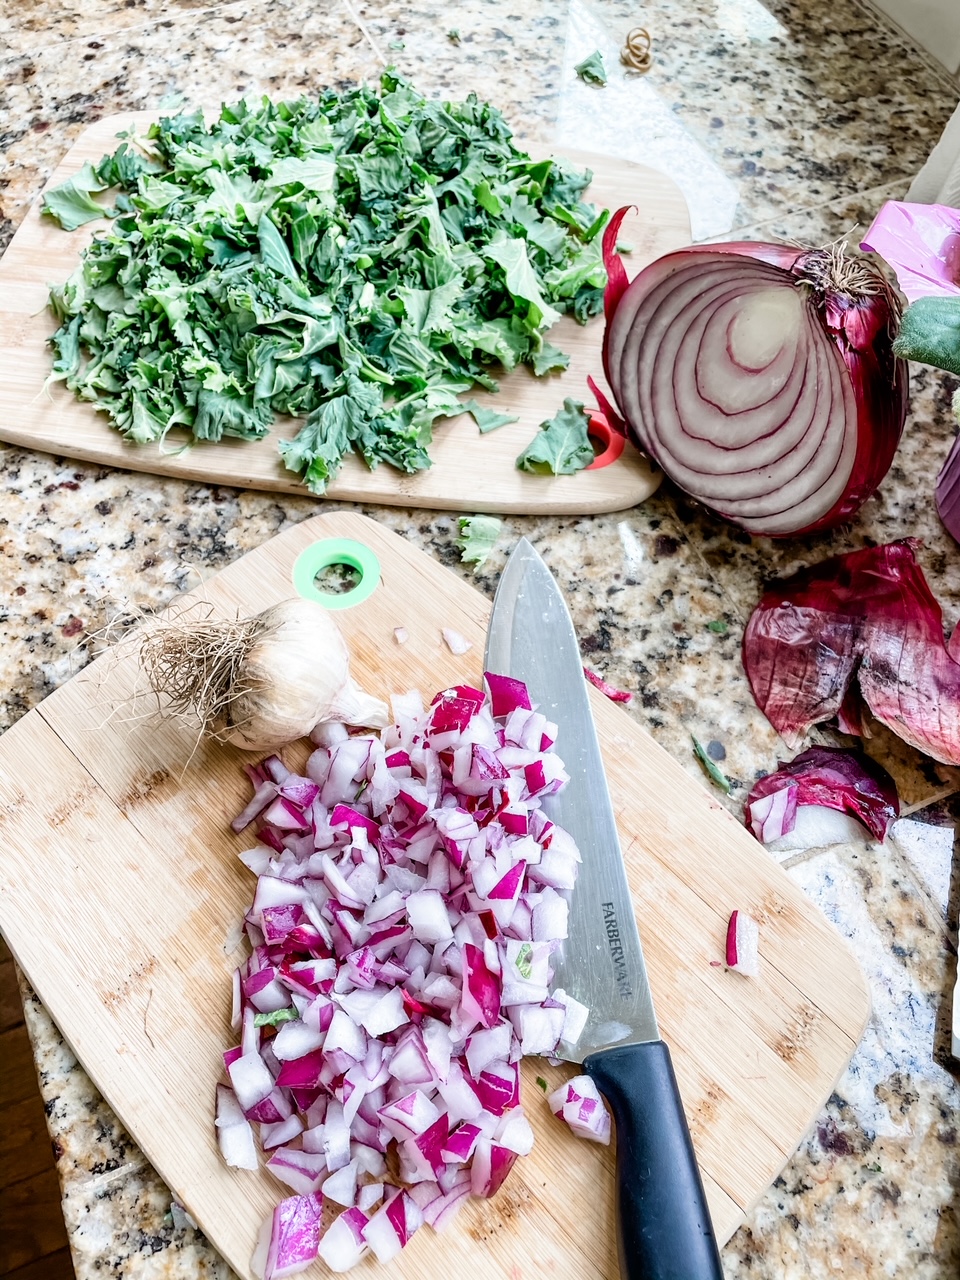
(715, 774)
(562, 445)
(542, 1083)
(718, 626)
(358, 260)
(592, 69)
(488, 419)
(453, 35)
(274, 1018)
(525, 960)
(478, 534)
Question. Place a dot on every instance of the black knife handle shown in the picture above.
(665, 1228)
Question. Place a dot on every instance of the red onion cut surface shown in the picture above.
(410, 893)
(761, 378)
(857, 631)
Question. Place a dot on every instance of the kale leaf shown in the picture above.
(562, 445)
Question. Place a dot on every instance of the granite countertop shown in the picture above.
(791, 119)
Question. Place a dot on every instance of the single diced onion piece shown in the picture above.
(251, 1080)
(341, 1186)
(238, 1145)
(579, 1104)
(427, 913)
(369, 1196)
(342, 1245)
(290, 1238)
(743, 941)
(303, 1171)
(455, 642)
(392, 1225)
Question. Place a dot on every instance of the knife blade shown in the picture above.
(664, 1226)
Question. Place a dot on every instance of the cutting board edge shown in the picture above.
(344, 491)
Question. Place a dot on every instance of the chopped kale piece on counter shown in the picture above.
(477, 537)
(592, 69)
(562, 445)
(356, 259)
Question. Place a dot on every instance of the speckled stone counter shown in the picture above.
(792, 119)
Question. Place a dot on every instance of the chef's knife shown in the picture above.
(665, 1231)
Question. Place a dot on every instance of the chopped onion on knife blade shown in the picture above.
(857, 630)
(410, 893)
(760, 377)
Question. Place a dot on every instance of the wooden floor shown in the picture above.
(33, 1239)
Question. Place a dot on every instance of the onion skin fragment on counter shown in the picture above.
(830, 777)
(857, 631)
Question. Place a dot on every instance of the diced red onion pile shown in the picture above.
(410, 893)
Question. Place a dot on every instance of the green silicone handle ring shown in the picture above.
(320, 556)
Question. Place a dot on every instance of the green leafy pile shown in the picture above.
(358, 259)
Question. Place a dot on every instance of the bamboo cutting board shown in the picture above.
(470, 471)
(121, 896)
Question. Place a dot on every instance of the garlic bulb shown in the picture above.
(259, 682)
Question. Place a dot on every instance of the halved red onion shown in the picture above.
(760, 377)
(410, 893)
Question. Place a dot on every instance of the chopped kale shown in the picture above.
(358, 260)
(562, 445)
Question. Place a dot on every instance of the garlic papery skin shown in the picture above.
(294, 676)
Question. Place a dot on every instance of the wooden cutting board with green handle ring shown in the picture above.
(121, 896)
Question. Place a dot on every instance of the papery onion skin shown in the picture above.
(836, 778)
(859, 626)
(853, 331)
